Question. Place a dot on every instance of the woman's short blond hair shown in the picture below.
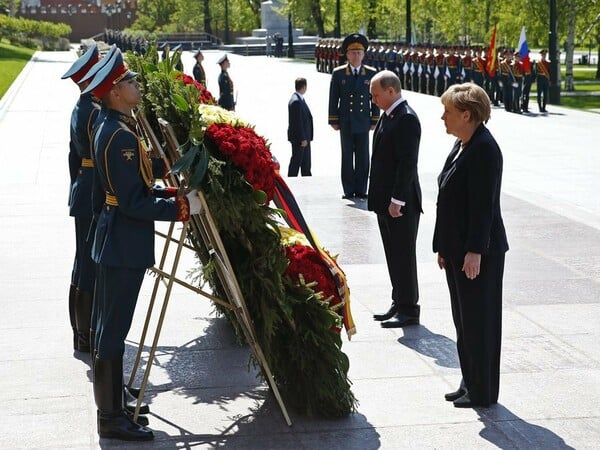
(468, 97)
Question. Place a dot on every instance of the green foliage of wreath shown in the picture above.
(294, 327)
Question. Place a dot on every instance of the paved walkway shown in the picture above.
(202, 394)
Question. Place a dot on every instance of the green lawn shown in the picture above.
(12, 61)
(580, 102)
(585, 81)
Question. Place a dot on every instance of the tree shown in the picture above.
(207, 18)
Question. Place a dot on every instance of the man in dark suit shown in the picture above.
(300, 131)
(395, 195)
(352, 113)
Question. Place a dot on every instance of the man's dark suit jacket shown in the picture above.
(468, 205)
(394, 175)
(300, 121)
(394, 161)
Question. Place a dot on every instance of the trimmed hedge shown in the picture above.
(34, 33)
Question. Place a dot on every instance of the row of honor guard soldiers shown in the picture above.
(126, 41)
(114, 201)
(431, 69)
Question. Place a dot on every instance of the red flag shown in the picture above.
(492, 60)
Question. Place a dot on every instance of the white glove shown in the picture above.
(195, 205)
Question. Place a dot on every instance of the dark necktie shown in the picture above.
(355, 73)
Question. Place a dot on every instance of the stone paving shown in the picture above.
(202, 394)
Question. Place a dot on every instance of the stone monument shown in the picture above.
(273, 20)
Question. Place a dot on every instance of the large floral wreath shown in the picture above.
(294, 290)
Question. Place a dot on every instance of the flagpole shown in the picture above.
(554, 90)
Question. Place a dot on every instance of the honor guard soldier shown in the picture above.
(453, 65)
(527, 78)
(507, 79)
(226, 99)
(414, 70)
(381, 58)
(80, 200)
(440, 72)
(123, 246)
(83, 121)
(353, 114)
(390, 57)
(406, 67)
(177, 53)
(478, 68)
(370, 54)
(430, 69)
(198, 71)
(542, 76)
(400, 64)
(518, 72)
(466, 62)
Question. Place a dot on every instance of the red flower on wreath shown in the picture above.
(205, 96)
(306, 260)
(248, 151)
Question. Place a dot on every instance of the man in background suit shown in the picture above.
(300, 131)
(395, 195)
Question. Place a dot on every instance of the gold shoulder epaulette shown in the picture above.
(342, 67)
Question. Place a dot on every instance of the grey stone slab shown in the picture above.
(542, 353)
(201, 391)
(45, 378)
(558, 394)
(39, 314)
(551, 291)
(393, 360)
(403, 401)
(565, 319)
(584, 343)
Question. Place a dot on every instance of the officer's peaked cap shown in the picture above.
(99, 65)
(114, 71)
(222, 59)
(355, 41)
(83, 64)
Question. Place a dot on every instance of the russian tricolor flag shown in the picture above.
(523, 49)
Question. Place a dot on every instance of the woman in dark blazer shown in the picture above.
(470, 241)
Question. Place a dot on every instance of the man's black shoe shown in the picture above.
(348, 196)
(400, 320)
(387, 316)
(466, 402)
(451, 396)
(362, 196)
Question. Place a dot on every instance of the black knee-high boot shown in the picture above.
(83, 314)
(130, 402)
(113, 422)
(72, 301)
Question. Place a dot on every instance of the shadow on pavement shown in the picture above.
(437, 346)
(508, 431)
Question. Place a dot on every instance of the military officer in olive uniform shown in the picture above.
(353, 114)
(80, 206)
(226, 99)
(123, 245)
